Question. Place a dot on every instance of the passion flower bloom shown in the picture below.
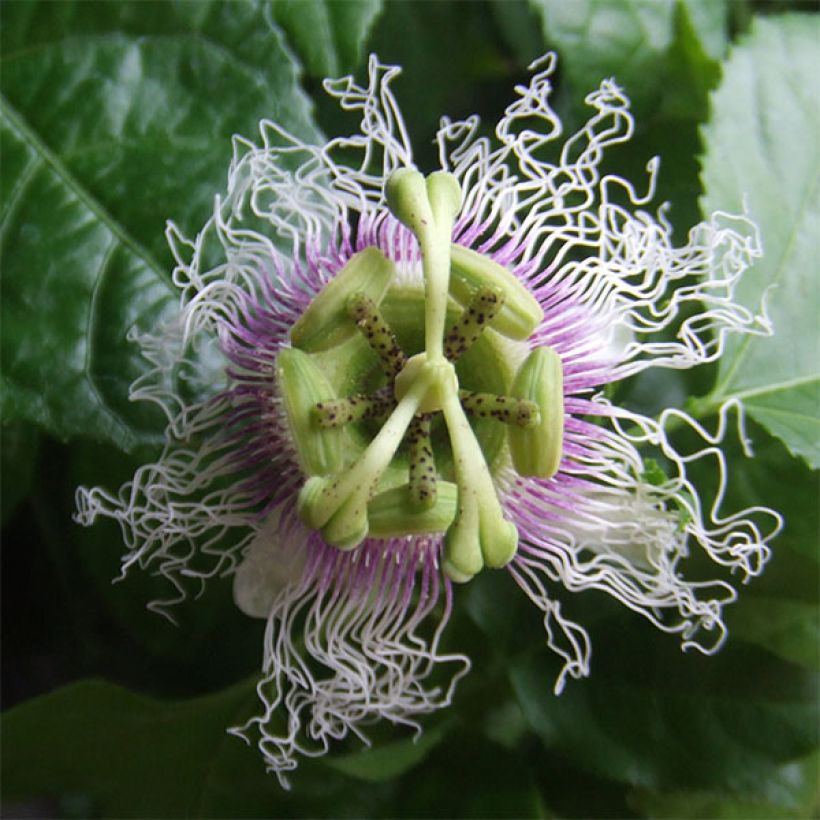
(380, 383)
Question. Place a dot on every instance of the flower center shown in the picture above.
(382, 381)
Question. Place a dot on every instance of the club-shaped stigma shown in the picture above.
(429, 208)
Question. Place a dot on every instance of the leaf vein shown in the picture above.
(777, 411)
(28, 135)
(743, 348)
(754, 392)
(20, 186)
(90, 336)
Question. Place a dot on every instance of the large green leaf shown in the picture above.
(659, 721)
(631, 41)
(762, 151)
(73, 284)
(778, 611)
(796, 798)
(125, 755)
(781, 611)
(652, 716)
(790, 629)
(129, 755)
(327, 34)
(115, 117)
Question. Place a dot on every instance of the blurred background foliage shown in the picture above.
(117, 116)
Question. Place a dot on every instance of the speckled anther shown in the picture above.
(482, 309)
(520, 412)
(422, 484)
(365, 313)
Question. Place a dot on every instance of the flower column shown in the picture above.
(477, 534)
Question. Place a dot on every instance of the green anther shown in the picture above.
(364, 312)
(326, 322)
(309, 506)
(339, 412)
(302, 385)
(349, 525)
(393, 514)
(536, 450)
(480, 535)
(520, 315)
(507, 409)
(483, 307)
(422, 486)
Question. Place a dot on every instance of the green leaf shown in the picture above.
(212, 642)
(790, 629)
(131, 756)
(73, 283)
(328, 35)
(610, 38)
(653, 717)
(761, 150)
(709, 22)
(467, 776)
(797, 798)
(778, 611)
(388, 760)
(632, 41)
(520, 28)
(693, 61)
(115, 117)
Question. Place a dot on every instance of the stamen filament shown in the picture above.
(466, 330)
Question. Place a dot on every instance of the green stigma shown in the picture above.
(402, 404)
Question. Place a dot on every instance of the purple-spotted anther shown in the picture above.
(380, 383)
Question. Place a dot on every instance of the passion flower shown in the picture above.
(381, 383)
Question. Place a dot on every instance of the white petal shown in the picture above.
(271, 563)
